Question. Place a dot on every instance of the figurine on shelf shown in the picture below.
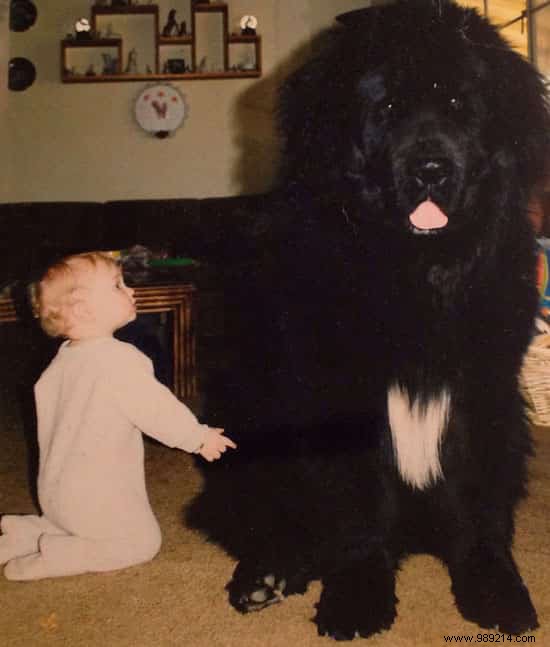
(202, 65)
(174, 66)
(83, 29)
(248, 63)
(249, 25)
(183, 29)
(171, 28)
(110, 64)
(131, 66)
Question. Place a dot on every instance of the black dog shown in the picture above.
(376, 401)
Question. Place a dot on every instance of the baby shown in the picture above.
(93, 401)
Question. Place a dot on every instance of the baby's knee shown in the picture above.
(154, 547)
(150, 547)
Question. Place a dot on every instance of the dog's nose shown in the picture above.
(431, 172)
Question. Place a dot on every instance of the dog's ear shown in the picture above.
(359, 17)
(438, 6)
(352, 18)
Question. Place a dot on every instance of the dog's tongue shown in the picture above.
(428, 216)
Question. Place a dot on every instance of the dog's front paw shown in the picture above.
(490, 592)
(253, 588)
(347, 609)
(262, 592)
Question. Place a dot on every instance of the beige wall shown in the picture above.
(80, 142)
(5, 167)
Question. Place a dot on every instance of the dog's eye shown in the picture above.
(388, 109)
(455, 104)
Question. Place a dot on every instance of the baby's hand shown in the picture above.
(215, 444)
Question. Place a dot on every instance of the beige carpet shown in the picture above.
(179, 598)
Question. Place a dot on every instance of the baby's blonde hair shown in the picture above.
(61, 287)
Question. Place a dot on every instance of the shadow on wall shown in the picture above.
(255, 125)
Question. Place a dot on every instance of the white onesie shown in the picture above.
(93, 401)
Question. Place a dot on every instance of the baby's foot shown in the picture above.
(11, 548)
(18, 537)
(21, 535)
(26, 567)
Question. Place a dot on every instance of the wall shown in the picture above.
(5, 167)
(80, 142)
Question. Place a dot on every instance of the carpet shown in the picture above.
(178, 599)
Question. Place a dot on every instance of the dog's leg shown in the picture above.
(485, 579)
(359, 599)
(479, 502)
(489, 590)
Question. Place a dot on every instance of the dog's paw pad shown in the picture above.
(265, 592)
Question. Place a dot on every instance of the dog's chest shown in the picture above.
(417, 430)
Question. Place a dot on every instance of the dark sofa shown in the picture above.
(216, 230)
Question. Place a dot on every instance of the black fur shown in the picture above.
(347, 298)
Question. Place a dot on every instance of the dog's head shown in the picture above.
(416, 111)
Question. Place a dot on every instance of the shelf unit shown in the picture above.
(100, 43)
(188, 40)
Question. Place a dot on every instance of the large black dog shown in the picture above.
(376, 401)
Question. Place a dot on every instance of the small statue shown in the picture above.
(247, 64)
(110, 64)
(248, 25)
(175, 66)
(171, 28)
(131, 66)
(183, 28)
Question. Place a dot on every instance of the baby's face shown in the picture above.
(110, 300)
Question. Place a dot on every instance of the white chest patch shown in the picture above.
(417, 431)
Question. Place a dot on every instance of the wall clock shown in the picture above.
(160, 109)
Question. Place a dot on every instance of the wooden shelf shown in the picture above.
(96, 42)
(133, 10)
(209, 7)
(238, 38)
(176, 40)
(161, 41)
(188, 76)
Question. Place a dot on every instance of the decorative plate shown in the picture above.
(22, 15)
(160, 109)
(22, 74)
